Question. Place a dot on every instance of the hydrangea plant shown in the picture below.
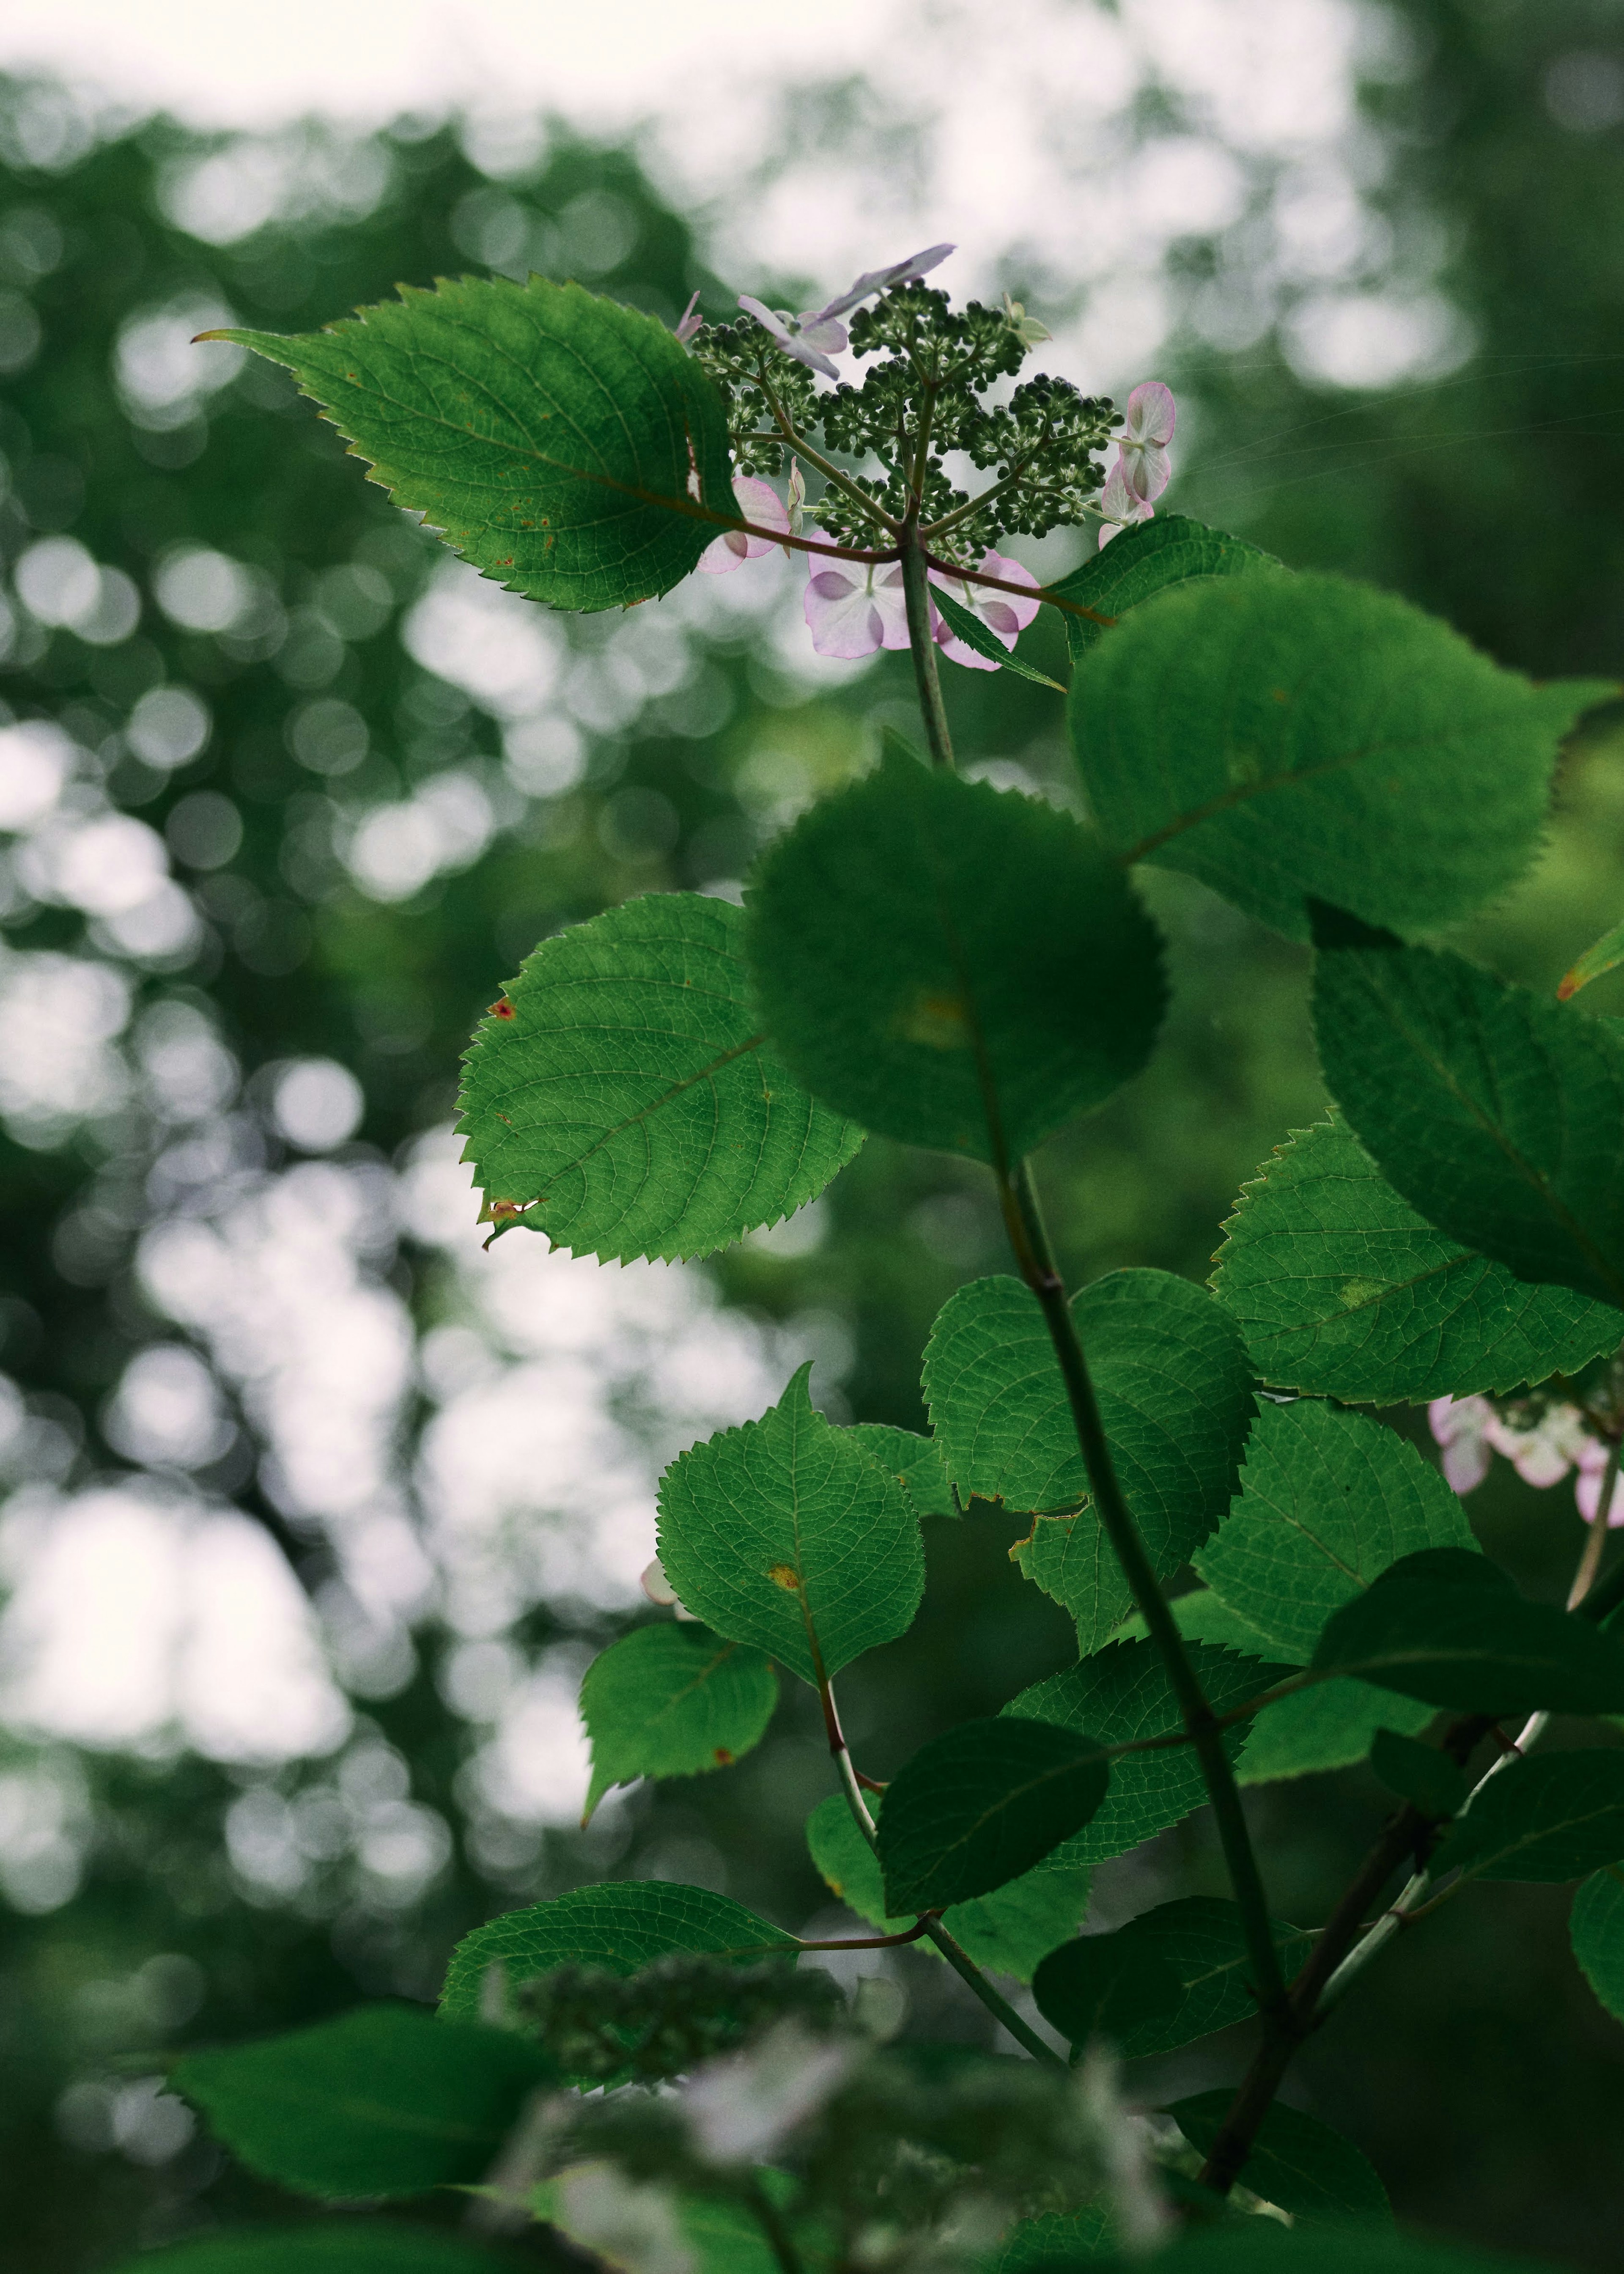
(644, 2066)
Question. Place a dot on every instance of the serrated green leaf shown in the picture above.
(1055, 2238)
(973, 633)
(1421, 1774)
(371, 2245)
(622, 1925)
(1286, 737)
(1330, 1726)
(1467, 1639)
(556, 440)
(1597, 1928)
(1139, 562)
(1328, 1500)
(1175, 1390)
(1554, 1817)
(1122, 1694)
(1170, 1976)
(622, 1094)
(672, 1701)
(1010, 1930)
(1296, 2161)
(384, 2101)
(1342, 1290)
(952, 965)
(980, 1805)
(914, 1461)
(786, 1535)
(1498, 1114)
(1595, 963)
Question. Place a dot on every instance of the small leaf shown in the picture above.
(914, 1461)
(384, 2101)
(969, 628)
(1120, 1695)
(556, 440)
(1197, 1945)
(1419, 1774)
(1141, 561)
(1329, 1501)
(672, 1701)
(1175, 1391)
(1296, 2161)
(785, 1534)
(1331, 1726)
(1342, 1290)
(1595, 963)
(1010, 1930)
(1453, 1634)
(1556, 1816)
(1498, 1114)
(975, 1808)
(627, 1101)
(952, 965)
(622, 1925)
(371, 2245)
(1288, 737)
(1597, 1927)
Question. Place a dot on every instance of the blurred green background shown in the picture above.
(229, 660)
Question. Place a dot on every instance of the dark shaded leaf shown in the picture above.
(975, 1808)
(1170, 1976)
(1296, 2161)
(1556, 1816)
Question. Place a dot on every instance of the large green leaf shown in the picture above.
(1328, 1500)
(1120, 1695)
(786, 1535)
(555, 440)
(1597, 1927)
(1141, 561)
(952, 965)
(1175, 1390)
(1450, 1629)
(914, 1461)
(371, 2245)
(1497, 1114)
(1555, 1816)
(1421, 1774)
(384, 2101)
(622, 1925)
(980, 1805)
(622, 1094)
(1054, 2239)
(1261, 2246)
(672, 1701)
(1283, 737)
(1010, 1930)
(1341, 1289)
(1172, 1974)
(1296, 2161)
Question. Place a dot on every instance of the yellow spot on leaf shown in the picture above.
(1355, 1292)
(784, 1575)
(939, 1021)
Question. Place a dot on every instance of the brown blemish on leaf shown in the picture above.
(724, 1758)
(502, 1008)
(784, 1575)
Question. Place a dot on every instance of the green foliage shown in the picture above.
(950, 964)
(1555, 1816)
(1175, 1390)
(973, 632)
(1498, 1115)
(554, 439)
(1138, 562)
(1258, 2245)
(672, 1701)
(1053, 2238)
(602, 2027)
(1596, 1925)
(384, 2101)
(1010, 1930)
(785, 1534)
(1329, 1726)
(980, 1806)
(1297, 2163)
(1329, 1501)
(621, 1094)
(1120, 1695)
(1419, 1774)
(337, 2246)
(1595, 963)
(1341, 1289)
(1454, 1634)
(1170, 1976)
(621, 1926)
(914, 1461)
(1286, 738)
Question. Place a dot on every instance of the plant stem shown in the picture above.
(926, 677)
(772, 2226)
(1039, 1269)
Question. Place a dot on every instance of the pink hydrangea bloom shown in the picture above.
(817, 334)
(1004, 614)
(1588, 1484)
(1461, 1426)
(1142, 446)
(757, 502)
(1542, 1455)
(854, 607)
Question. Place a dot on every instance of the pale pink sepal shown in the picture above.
(852, 609)
(757, 502)
(1461, 1427)
(1004, 614)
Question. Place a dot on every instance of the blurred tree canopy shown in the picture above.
(293, 795)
